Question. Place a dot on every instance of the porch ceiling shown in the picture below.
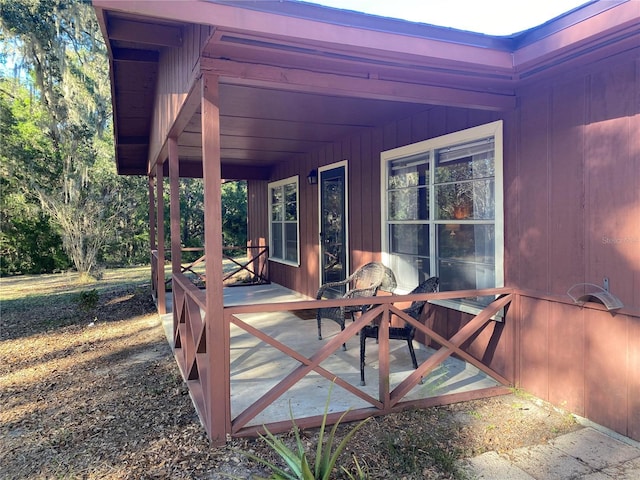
(296, 77)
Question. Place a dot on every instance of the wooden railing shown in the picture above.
(388, 400)
(190, 348)
(515, 351)
(256, 265)
(251, 269)
(192, 351)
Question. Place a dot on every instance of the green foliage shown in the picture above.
(296, 460)
(61, 200)
(57, 160)
(234, 213)
(87, 300)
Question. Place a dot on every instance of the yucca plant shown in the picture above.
(297, 461)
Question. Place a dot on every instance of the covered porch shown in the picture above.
(276, 367)
(272, 92)
(256, 366)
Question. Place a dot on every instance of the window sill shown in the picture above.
(467, 306)
(285, 262)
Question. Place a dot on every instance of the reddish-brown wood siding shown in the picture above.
(177, 72)
(362, 153)
(584, 360)
(572, 215)
(576, 182)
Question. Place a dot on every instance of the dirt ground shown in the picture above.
(91, 390)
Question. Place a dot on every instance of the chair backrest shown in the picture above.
(389, 282)
(371, 275)
(428, 286)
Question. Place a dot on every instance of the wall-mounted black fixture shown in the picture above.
(312, 178)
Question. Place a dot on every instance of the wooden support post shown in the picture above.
(217, 383)
(174, 192)
(152, 214)
(162, 295)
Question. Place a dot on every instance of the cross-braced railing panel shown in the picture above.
(383, 310)
(190, 348)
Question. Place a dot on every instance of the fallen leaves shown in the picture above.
(107, 402)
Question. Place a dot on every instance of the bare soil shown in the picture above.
(92, 391)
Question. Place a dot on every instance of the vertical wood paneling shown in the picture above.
(567, 357)
(512, 188)
(420, 126)
(437, 122)
(606, 369)
(613, 198)
(377, 142)
(633, 379)
(176, 76)
(534, 348)
(457, 119)
(403, 129)
(566, 179)
(634, 155)
(533, 246)
(359, 214)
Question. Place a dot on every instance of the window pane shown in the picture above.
(409, 171)
(467, 161)
(466, 200)
(290, 193)
(291, 242)
(291, 213)
(284, 220)
(465, 276)
(409, 239)
(276, 195)
(409, 204)
(276, 212)
(409, 270)
(466, 257)
(276, 240)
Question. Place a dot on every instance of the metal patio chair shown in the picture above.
(407, 332)
(364, 282)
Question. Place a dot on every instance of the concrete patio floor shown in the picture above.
(256, 367)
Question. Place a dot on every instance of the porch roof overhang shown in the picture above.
(295, 77)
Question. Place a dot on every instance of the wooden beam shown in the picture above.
(145, 33)
(331, 36)
(338, 85)
(187, 111)
(162, 302)
(605, 25)
(217, 384)
(135, 55)
(174, 192)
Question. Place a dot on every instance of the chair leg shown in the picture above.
(363, 339)
(413, 356)
(344, 345)
(413, 353)
(319, 320)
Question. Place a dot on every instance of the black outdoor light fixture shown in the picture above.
(312, 178)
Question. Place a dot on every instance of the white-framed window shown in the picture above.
(284, 244)
(442, 211)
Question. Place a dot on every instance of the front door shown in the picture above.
(333, 223)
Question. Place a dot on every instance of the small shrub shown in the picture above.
(87, 300)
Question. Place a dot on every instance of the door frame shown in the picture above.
(344, 164)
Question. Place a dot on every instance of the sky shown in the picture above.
(492, 17)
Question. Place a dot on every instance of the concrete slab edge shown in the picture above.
(585, 422)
